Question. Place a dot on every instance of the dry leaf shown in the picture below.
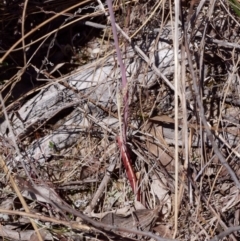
(143, 219)
(156, 131)
(163, 118)
(160, 190)
(34, 236)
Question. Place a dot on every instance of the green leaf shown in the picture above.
(236, 6)
(51, 145)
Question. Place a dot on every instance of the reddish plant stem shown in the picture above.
(123, 72)
(123, 139)
(128, 167)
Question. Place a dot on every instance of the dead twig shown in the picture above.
(203, 118)
(101, 187)
(17, 191)
(225, 233)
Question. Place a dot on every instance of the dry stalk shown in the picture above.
(176, 94)
(71, 224)
(23, 27)
(18, 193)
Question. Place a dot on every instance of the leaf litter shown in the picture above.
(65, 128)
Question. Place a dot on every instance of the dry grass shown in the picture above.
(62, 112)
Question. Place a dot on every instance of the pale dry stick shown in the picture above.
(71, 224)
(78, 94)
(188, 137)
(226, 44)
(186, 141)
(101, 187)
(176, 94)
(18, 193)
(23, 26)
(39, 26)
